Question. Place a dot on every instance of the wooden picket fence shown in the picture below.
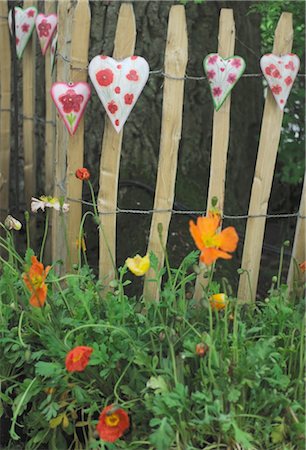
(64, 154)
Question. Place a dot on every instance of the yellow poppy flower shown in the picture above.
(218, 301)
(138, 265)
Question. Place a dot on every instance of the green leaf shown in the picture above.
(242, 437)
(233, 395)
(48, 369)
(163, 437)
(158, 384)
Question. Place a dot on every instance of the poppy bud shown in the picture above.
(201, 349)
(82, 173)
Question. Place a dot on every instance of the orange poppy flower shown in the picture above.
(113, 422)
(34, 279)
(213, 244)
(78, 358)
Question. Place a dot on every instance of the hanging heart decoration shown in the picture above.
(45, 27)
(24, 26)
(222, 75)
(70, 100)
(53, 51)
(280, 73)
(118, 84)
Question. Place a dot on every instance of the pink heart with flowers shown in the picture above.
(24, 26)
(70, 100)
(45, 27)
(118, 84)
(222, 75)
(280, 73)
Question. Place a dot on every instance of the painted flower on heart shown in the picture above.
(211, 74)
(105, 77)
(44, 28)
(128, 99)
(34, 279)
(276, 74)
(290, 65)
(78, 358)
(231, 78)
(82, 173)
(71, 101)
(217, 91)
(31, 13)
(288, 80)
(277, 89)
(112, 424)
(138, 265)
(236, 63)
(210, 242)
(25, 27)
(112, 107)
(212, 59)
(132, 75)
(218, 301)
(269, 69)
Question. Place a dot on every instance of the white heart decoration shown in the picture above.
(118, 84)
(280, 73)
(53, 51)
(70, 100)
(222, 75)
(24, 26)
(45, 27)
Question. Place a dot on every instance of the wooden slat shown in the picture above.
(220, 138)
(176, 57)
(299, 245)
(5, 115)
(262, 183)
(111, 150)
(75, 152)
(65, 12)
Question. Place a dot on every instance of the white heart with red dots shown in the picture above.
(45, 27)
(280, 73)
(24, 26)
(118, 84)
(70, 100)
(222, 75)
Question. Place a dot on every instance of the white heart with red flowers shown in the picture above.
(222, 75)
(53, 51)
(70, 100)
(118, 84)
(280, 73)
(24, 26)
(45, 27)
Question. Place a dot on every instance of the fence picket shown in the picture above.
(5, 114)
(220, 137)
(299, 245)
(176, 56)
(111, 150)
(265, 165)
(75, 151)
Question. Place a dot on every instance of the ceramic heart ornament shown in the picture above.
(45, 27)
(118, 84)
(70, 100)
(222, 75)
(24, 26)
(280, 73)
(53, 51)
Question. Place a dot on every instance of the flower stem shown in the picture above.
(44, 237)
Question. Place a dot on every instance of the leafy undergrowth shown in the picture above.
(188, 375)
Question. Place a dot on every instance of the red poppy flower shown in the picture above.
(105, 77)
(34, 279)
(132, 75)
(71, 101)
(44, 28)
(82, 173)
(113, 422)
(128, 99)
(112, 107)
(78, 358)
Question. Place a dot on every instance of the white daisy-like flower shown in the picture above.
(48, 202)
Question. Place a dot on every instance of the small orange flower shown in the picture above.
(78, 358)
(113, 422)
(35, 282)
(218, 301)
(302, 266)
(82, 173)
(213, 245)
(201, 349)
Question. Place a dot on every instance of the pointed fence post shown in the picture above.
(262, 183)
(176, 57)
(299, 245)
(220, 137)
(110, 158)
(75, 151)
(5, 111)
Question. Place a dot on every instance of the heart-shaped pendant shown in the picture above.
(53, 51)
(222, 75)
(118, 84)
(24, 26)
(280, 73)
(45, 27)
(70, 100)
